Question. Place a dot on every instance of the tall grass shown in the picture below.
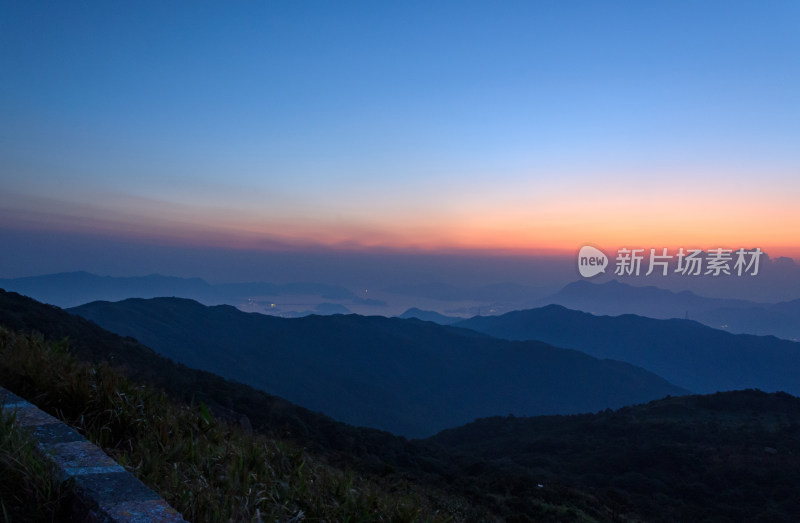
(207, 469)
(29, 490)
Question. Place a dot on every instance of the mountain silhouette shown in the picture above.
(735, 316)
(406, 376)
(687, 353)
(616, 298)
(433, 316)
(70, 289)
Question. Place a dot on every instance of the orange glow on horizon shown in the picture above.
(545, 229)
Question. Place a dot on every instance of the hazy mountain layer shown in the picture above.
(735, 316)
(69, 289)
(685, 352)
(406, 376)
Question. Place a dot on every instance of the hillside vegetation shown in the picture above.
(731, 456)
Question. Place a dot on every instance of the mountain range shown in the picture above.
(723, 457)
(70, 289)
(735, 316)
(406, 376)
(305, 298)
(432, 316)
(685, 352)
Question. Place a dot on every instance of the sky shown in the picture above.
(474, 129)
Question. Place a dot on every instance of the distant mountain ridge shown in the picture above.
(433, 316)
(511, 292)
(736, 316)
(70, 289)
(406, 376)
(614, 298)
(685, 352)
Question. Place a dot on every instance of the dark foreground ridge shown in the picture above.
(103, 490)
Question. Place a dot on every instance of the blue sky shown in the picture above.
(457, 125)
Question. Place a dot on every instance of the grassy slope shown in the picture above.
(227, 399)
(207, 469)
